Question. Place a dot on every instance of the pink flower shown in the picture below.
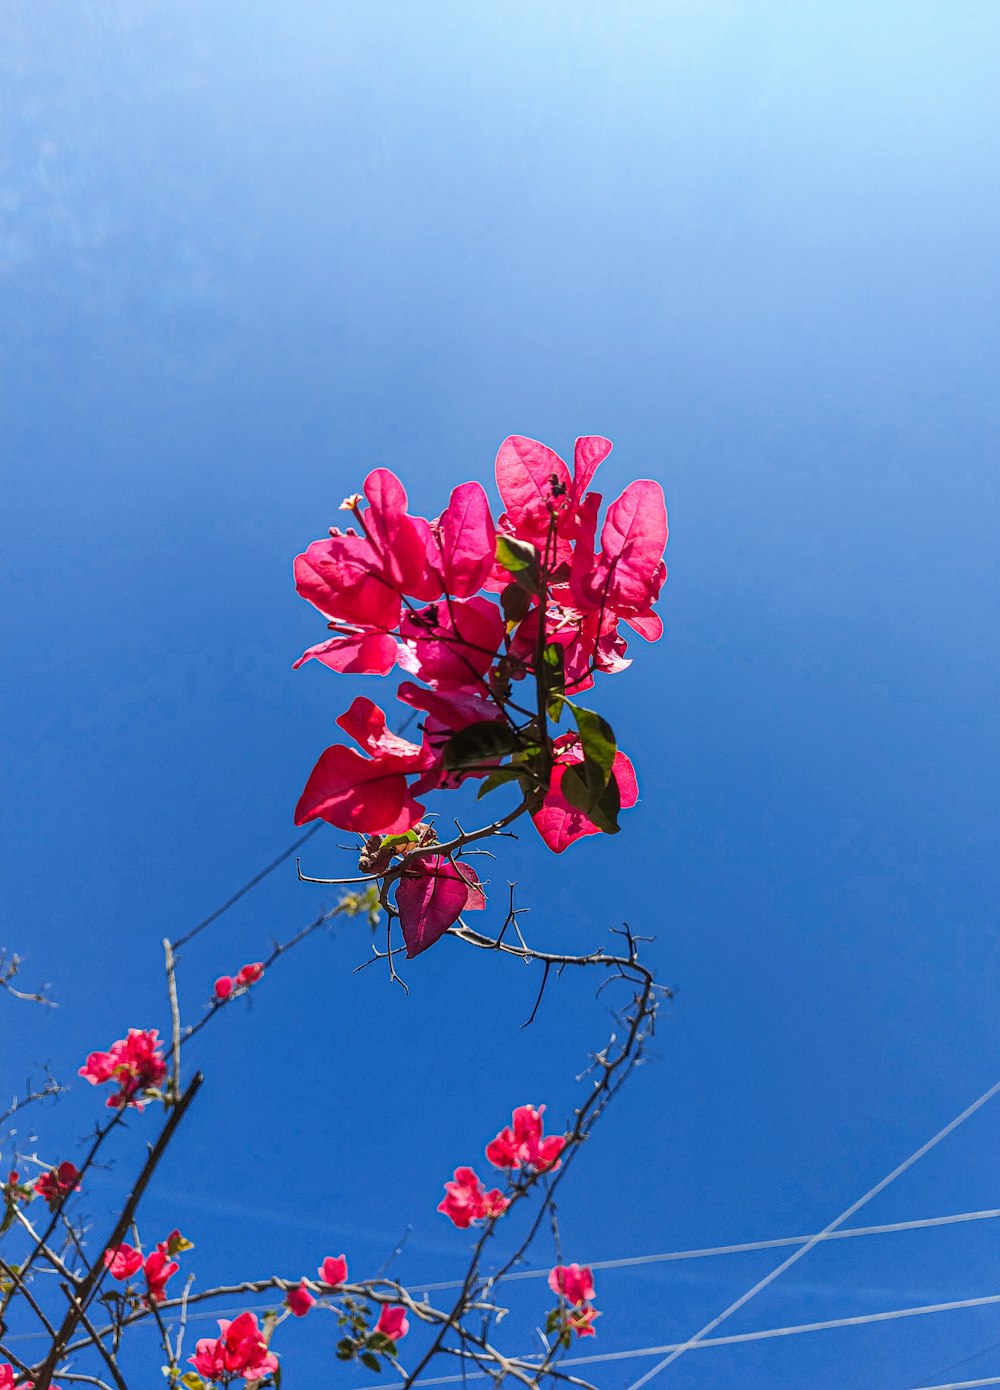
(7, 1381)
(360, 579)
(299, 1300)
(466, 539)
(333, 1270)
(451, 646)
(224, 986)
(134, 1063)
(392, 1322)
(56, 1185)
(466, 1200)
(368, 795)
(431, 896)
(123, 1261)
(523, 1145)
(575, 1283)
(175, 1244)
(158, 1269)
(240, 1349)
(249, 974)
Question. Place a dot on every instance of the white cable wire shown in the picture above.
(735, 1338)
(961, 1384)
(705, 1252)
(827, 1230)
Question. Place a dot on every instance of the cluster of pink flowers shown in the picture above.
(56, 1185)
(472, 609)
(392, 1321)
(158, 1266)
(239, 1351)
(134, 1063)
(520, 1145)
(574, 1284)
(246, 976)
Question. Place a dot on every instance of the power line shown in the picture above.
(705, 1252)
(762, 1284)
(961, 1384)
(257, 878)
(736, 1338)
(954, 1365)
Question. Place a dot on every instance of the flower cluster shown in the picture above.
(158, 1266)
(56, 1185)
(520, 1145)
(134, 1063)
(247, 975)
(466, 1200)
(575, 1286)
(239, 1351)
(476, 612)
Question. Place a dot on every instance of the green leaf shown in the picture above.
(553, 661)
(345, 1349)
(191, 1381)
(498, 779)
(597, 738)
(521, 561)
(478, 744)
(372, 1362)
(378, 1341)
(583, 786)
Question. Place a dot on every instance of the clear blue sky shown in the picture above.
(248, 252)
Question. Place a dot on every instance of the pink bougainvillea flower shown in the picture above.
(368, 795)
(360, 579)
(299, 1300)
(451, 646)
(466, 539)
(466, 1200)
(354, 651)
(123, 1261)
(135, 1063)
(574, 1282)
(249, 974)
(522, 1145)
(158, 1269)
(431, 896)
(392, 1322)
(240, 1349)
(224, 986)
(626, 576)
(56, 1185)
(333, 1270)
(559, 823)
(536, 488)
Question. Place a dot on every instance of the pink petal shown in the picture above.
(430, 897)
(356, 654)
(365, 723)
(632, 541)
(529, 477)
(467, 539)
(590, 451)
(355, 793)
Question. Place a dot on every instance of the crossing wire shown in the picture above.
(803, 1250)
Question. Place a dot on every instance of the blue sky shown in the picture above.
(248, 253)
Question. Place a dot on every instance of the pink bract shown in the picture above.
(392, 1322)
(300, 1300)
(123, 1261)
(333, 1270)
(240, 1349)
(466, 1200)
(432, 894)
